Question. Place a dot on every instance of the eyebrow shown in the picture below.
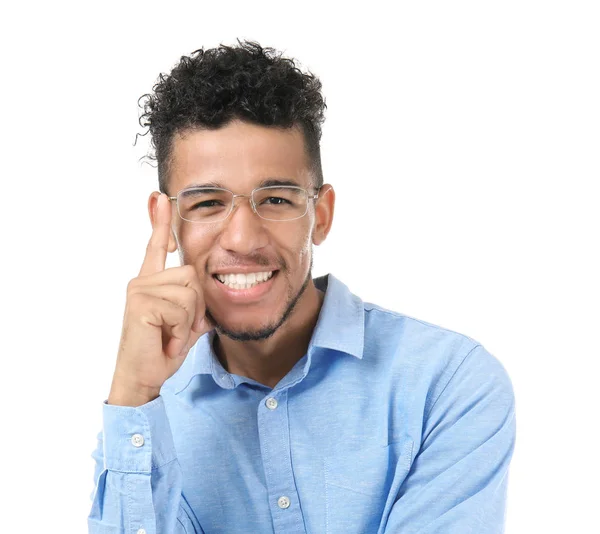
(267, 182)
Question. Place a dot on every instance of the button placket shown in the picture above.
(273, 429)
(283, 502)
(137, 440)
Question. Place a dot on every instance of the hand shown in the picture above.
(164, 317)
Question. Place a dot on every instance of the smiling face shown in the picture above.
(241, 157)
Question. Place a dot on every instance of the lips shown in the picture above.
(246, 294)
(245, 270)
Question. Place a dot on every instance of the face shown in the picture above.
(240, 157)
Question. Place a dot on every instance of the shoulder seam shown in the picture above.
(374, 307)
(450, 379)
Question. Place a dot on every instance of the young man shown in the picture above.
(248, 396)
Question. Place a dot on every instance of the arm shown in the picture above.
(457, 483)
(138, 483)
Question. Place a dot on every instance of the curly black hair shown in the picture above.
(210, 88)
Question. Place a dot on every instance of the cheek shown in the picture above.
(194, 246)
(305, 246)
(297, 250)
(305, 251)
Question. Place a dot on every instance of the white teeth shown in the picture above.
(244, 281)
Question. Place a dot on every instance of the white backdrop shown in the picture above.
(475, 127)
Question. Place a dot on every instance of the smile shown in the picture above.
(244, 280)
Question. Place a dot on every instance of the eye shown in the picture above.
(278, 201)
(207, 204)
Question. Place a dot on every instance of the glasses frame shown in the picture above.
(250, 198)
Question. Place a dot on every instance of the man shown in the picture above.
(249, 397)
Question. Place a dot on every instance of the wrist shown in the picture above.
(124, 394)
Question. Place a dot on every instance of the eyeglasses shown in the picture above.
(214, 204)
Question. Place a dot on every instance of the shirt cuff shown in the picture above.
(137, 439)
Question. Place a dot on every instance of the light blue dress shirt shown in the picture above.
(388, 424)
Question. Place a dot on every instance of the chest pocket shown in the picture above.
(359, 483)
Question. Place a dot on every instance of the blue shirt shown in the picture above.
(388, 424)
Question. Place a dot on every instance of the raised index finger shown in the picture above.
(156, 251)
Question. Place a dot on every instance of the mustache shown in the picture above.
(254, 261)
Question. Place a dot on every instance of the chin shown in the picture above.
(245, 333)
(251, 325)
(247, 326)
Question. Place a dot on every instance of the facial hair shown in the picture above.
(269, 330)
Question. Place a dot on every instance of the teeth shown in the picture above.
(244, 281)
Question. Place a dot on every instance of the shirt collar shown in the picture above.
(341, 323)
(340, 327)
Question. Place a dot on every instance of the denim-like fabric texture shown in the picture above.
(388, 424)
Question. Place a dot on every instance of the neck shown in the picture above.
(268, 360)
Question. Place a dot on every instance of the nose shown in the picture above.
(243, 231)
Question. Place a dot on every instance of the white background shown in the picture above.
(462, 139)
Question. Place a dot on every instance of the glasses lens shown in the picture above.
(280, 203)
(204, 204)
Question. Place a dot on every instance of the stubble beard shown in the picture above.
(269, 330)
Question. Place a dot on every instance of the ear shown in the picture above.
(324, 208)
(152, 202)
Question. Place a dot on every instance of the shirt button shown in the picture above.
(141, 531)
(137, 440)
(283, 502)
(271, 403)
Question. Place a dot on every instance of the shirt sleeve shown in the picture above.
(137, 478)
(457, 483)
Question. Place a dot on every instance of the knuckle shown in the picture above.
(181, 329)
(191, 294)
(131, 284)
(182, 314)
(146, 313)
(189, 271)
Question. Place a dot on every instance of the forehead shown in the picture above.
(238, 156)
